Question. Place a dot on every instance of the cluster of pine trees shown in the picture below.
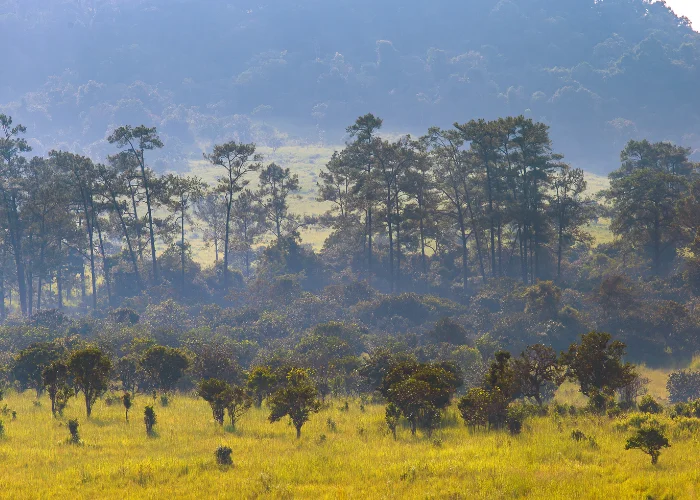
(444, 213)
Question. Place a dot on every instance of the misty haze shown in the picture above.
(335, 249)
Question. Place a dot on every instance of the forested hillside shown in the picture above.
(274, 72)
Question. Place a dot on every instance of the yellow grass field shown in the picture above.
(357, 459)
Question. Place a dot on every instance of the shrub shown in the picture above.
(149, 418)
(689, 410)
(650, 440)
(683, 386)
(73, 429)
(223, 455)
(126, 401)
(515, 419)
(164, 400)
(330, 423)
(578, 435)
(649, 405)
(2, 428)
(392, 416)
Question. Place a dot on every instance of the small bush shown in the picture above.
(649, 405)
(223, 455)
(2, 428)
(149, 418)
(73, 429)
(515, 419)
(578, 435)
(688, 410)
(164, 400)
(650, 440)
(332, 426)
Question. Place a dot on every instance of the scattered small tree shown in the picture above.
(90, 369)
(536, 367)
(649, 405)
(30, 363)
(239, 404)
(56, 382)
(297, 398)
(126, 401)
(164, 366)
(650, 440)
(261, 383)
(219, 396)
(392, 416)
(223, 455)
(73, 429)
(149, 418)
(596, 364)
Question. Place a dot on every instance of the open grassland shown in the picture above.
(342, 454)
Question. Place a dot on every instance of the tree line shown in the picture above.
(445, 213)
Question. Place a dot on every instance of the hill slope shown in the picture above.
(599, 72)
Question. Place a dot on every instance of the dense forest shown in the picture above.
(598, 72)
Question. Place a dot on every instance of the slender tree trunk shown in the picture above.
(182, 245)
(15, 233)
(150, 223)
(389, 213)
(105, 263)
(59, 278)
(139, 239)
(229, 202)
(3, 312)
(125, 230)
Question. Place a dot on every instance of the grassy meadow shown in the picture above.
(341, 454)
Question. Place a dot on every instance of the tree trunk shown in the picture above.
(150, 223)
(182, 245)
(229, 202)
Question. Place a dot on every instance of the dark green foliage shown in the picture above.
(73, 429)
(691, 409)
(515, 419)
(239, 404)
(56, 382)
(127, 402)
(261, 383)
(536, 368)
(651, 440)
(421, 391)
(649, 405)
(596, 364)
(297, 398)
(31, 362)
(223, 455)
(449, 331)
(683, 386)
(89, 369)
(578, 435)
(218, 394)
(164, 367)
(149, 419)
(474, 407)
(392, 416)
(128, 373)
(502, 376)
